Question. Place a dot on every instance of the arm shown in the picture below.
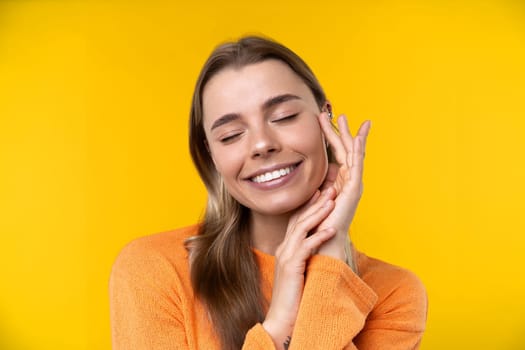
(343, 183)
(151, 309)
(399, 318)
(144, 305)
(321, 226)
(339, 310)
(290, 267)
(337, 305)
(336, 302)
(334, 307)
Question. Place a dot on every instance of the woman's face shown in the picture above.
(264, 136)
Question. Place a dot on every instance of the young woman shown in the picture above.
(271, 265)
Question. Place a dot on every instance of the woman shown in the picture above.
(271, 265)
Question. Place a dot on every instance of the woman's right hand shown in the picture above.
(290, 264)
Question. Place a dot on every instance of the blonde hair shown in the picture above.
(224, 272)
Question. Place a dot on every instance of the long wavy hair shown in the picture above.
(224, 272)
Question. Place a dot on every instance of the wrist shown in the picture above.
(280, 335)
(335, 247)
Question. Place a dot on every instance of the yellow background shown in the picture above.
(94, 100)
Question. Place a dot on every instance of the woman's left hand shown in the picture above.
(344, 182)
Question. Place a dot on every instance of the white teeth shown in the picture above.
(272, 175)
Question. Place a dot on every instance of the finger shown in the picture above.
(361, 137)
(347, 139)
(344, 131)
(329, 192)
(333, 138)
(313, 216)
(364, 128)
(317, 199)
(305, 224)
(356, 172)
(308, 204)
(363, 131)
(302, 210)
(331, 176)
(312, 243)
(311, 207)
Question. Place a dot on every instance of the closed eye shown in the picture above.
(287, 118)
(229, 138)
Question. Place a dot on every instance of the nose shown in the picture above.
(264, 143)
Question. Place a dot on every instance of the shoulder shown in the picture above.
(400, 293)
(156, 257)
(385, 277)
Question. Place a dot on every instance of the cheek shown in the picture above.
(314, 146)
(311, 140)
(227, 162)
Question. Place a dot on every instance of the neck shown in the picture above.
(267, 231)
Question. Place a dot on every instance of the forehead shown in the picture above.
(245, 89)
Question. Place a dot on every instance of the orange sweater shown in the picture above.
(153, 305)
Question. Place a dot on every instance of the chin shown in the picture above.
(285, 207)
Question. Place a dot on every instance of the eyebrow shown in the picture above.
(273, 101)
(225, 119)
(270, 103)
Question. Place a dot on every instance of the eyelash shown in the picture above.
(229, 138)
(288, 117)
(233, 137)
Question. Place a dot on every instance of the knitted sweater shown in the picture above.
(153, 306)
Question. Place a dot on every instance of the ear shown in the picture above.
(327, 107)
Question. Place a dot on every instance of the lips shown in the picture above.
(272, 175)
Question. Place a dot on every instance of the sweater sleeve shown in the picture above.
(258, 339)
(147, 309)
(340, 311)
(144, 306)
(398, 320)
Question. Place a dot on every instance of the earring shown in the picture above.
(329, 110)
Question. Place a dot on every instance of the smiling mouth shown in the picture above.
(272, 175)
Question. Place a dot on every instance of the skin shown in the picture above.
(305, 212)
